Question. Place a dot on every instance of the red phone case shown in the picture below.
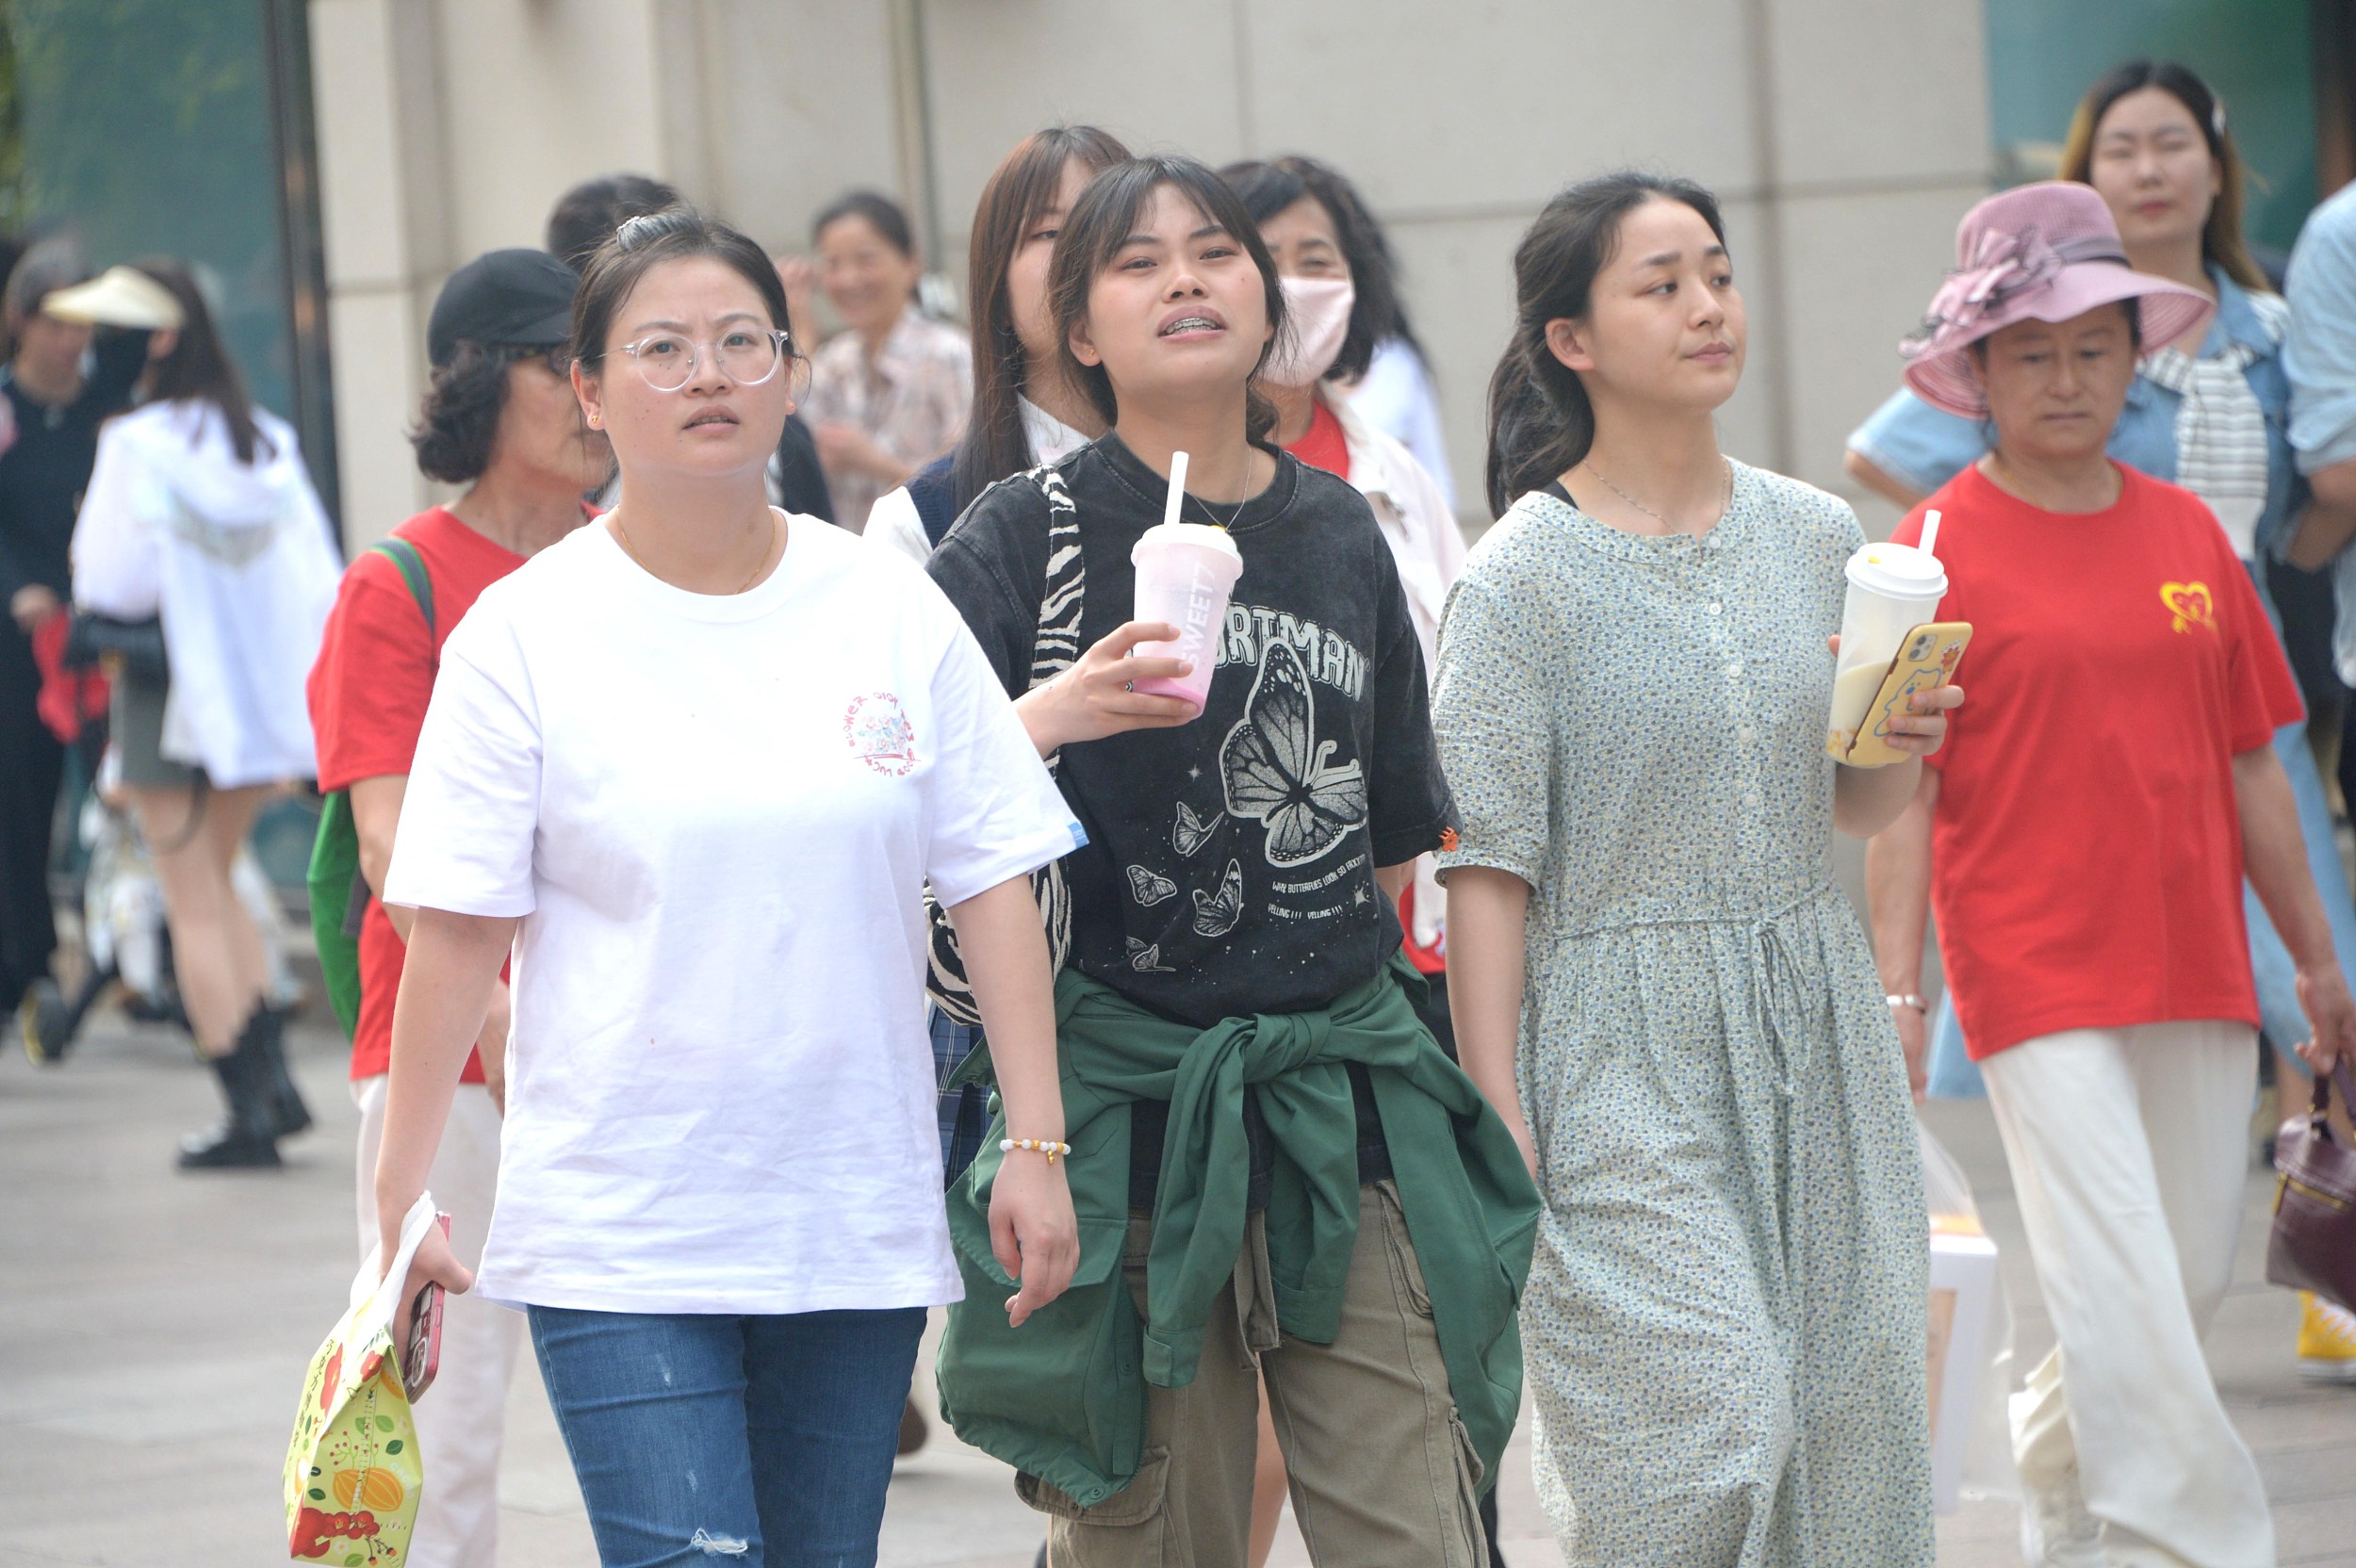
(423, 1357)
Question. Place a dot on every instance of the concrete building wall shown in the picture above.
(1846, 136)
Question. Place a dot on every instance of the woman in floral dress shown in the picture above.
(1724, 1325)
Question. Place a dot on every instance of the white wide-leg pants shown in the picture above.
(2130, 1153)
(462, 1420)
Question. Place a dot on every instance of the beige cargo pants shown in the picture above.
(1381, 1474)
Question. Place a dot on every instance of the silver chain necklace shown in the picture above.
(1723, 505)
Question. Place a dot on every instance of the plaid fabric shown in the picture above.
(965, 1112)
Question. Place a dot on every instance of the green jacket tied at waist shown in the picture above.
(1063, 1396)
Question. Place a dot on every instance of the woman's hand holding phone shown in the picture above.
(433, 1263)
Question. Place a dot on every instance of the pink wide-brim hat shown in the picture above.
(2038, 253)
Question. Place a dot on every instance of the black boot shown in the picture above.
(243, 1141)
(288, 1114)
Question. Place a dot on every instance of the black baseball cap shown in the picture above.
(520, 297)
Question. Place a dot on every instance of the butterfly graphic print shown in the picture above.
(1216, 915)
(1280, 775)
(1146, 957)
(1150, 887)
(1190, 833)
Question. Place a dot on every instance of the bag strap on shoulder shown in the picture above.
(403, 554)
(1063, 593)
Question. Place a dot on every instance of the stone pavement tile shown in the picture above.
(2321, 1534)
(2304, 1437)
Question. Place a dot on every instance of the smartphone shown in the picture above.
(422, 1358)
(1926, 661)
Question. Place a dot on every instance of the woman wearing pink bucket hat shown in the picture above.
(2083, 836)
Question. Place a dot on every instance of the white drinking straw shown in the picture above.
(1930, 535)
(1177, 488)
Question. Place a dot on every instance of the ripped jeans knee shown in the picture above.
(719, 1545)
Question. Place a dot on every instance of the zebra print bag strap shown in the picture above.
(1063, 595)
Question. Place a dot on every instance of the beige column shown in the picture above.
(375, 72)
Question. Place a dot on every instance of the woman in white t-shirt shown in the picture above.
(694, 765)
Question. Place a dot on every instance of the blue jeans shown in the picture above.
(710, 1440)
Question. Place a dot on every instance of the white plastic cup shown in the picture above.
(1185, 574)
(1892, 589)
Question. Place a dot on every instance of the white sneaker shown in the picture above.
(2057, 1532)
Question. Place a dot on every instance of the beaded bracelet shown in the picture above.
(1048, 1146)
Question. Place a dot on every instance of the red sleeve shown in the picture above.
(374, 677)
(2261, 693)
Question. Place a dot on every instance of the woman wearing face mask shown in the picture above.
(2209, 412)
(1276, 1165)
(653, 751)
(2093, 825)
(1726, 1323)
(1339, 301)
(891, 393)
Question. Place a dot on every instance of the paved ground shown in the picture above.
(153, 1332)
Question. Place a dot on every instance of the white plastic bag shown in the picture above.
(1971, 1352)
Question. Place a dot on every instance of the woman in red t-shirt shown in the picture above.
(2084, 836)
(500, 417)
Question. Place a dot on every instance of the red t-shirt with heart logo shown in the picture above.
(2087, 863)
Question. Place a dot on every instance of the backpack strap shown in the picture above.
(403, 554)
(405, 557)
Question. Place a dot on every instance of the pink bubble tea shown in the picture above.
(1185, 573)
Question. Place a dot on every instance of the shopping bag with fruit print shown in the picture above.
(352, 1468)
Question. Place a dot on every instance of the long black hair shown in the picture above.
(1102, 222)
(1267, 189)
(1541, 422)
(1018, 192)
(199, 368)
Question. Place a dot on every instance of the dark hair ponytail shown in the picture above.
(1539, 421)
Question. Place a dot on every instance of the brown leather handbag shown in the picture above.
(2313, 1242)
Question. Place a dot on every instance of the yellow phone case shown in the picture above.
(1926, 661)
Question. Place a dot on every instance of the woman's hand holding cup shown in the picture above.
(1093, 698)
(1923, 729)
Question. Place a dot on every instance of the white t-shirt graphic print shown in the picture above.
(716, 817)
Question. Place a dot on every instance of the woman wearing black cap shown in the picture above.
(501, 419)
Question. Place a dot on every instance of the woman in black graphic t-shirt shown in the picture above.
(1246, 862)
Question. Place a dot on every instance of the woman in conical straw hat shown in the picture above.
(2092, 817)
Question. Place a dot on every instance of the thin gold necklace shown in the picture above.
(621, 531)
(1647, 510)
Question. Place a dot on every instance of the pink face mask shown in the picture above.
(1319, 311)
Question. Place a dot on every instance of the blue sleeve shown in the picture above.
(2319, 351)
(1918, 446)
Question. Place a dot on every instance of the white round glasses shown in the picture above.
(745, 356)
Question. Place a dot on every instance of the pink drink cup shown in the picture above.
(1185, 573)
